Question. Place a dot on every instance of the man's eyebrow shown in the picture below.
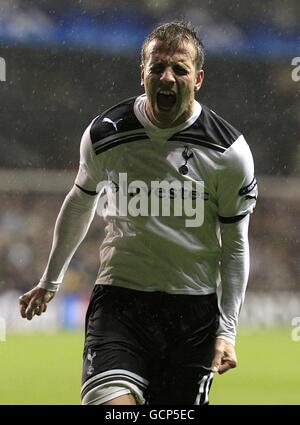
(180, 62)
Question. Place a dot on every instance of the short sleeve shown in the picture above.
(90, 171)
(237, 188)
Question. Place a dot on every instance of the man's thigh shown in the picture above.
(184, 375)
(110, 372)
(179, 386)
(116, 351)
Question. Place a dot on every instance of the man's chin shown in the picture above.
(165, 116)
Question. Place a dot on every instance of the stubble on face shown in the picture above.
(170, 78)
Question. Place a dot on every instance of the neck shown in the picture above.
(168, 123)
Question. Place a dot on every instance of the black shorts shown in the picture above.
(165, 342)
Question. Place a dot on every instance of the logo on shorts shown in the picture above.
(91, 357)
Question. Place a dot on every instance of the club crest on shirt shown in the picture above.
(187, 154)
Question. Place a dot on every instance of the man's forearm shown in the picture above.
(71, 227)
(234, 275)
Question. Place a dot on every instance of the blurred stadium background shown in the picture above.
(68, 60)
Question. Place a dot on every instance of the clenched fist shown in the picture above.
(34, 302)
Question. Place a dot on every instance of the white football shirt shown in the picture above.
(123, 153)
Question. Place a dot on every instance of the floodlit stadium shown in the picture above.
(61, 64)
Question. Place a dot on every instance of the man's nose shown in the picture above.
(167, 76)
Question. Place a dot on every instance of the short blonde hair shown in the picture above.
(173, 34)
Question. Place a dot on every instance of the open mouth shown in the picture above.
(166, 99)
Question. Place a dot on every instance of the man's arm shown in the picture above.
(71, 227)
(234, 278)
(236, 194)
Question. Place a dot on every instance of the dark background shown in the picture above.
(67, 61)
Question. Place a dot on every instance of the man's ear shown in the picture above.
(199, 79)
(142, 73)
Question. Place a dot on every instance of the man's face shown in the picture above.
(170, 79)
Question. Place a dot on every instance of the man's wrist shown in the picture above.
(49, 286)
(226, 338)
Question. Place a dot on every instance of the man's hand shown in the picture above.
(34, 302)
(225, 357)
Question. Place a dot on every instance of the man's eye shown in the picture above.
(180, 71)
(158, 69)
